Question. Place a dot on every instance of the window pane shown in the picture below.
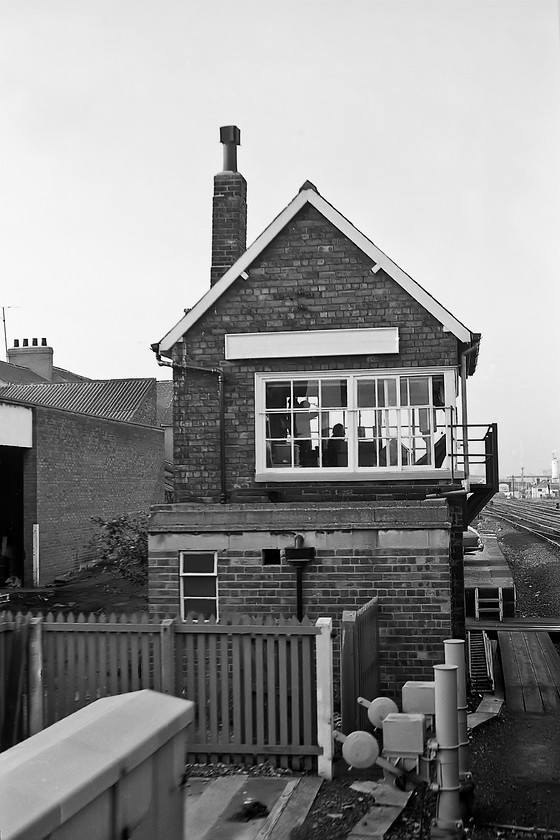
(200, 606)
(306, 391)
(199, 586)
(280, 454)
(418, 390)
(201, 563)
(333, 393)
(366, 393)
(335, 449)
(368, 453)
(387, 392)
(438, 391)
(278, 394)
(278, 425)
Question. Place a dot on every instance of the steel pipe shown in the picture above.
(455, 655)
(447, 822)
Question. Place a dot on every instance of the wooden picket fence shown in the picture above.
(359, 664)
(262, 688)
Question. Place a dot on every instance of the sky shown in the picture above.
(433, 125)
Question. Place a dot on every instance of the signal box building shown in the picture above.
(321, 451)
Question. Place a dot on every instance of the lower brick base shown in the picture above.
(397, 551)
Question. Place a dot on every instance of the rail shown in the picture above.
(539, 519)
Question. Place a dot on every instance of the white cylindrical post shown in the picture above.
(455, 655)
(448, 810)
(325, 702)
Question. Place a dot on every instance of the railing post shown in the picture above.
(167, 648)
(325, 702)
(35, 675)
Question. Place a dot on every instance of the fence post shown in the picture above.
(35, 675)
(167, 647)
(348, 694)
(325, 703)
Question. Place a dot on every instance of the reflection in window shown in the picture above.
(356, 421)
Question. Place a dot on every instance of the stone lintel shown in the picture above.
(429, 514)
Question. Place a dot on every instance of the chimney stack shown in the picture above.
(37, 358)
(229, 208)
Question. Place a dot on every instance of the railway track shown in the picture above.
(540, 518)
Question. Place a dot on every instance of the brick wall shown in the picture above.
(398, 552)
(83, 467)
(229, 222)
(309, 277)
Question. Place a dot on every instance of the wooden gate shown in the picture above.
(359, 665)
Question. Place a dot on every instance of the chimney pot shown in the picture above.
(16, 342)
(35, 342)
(230, 136)
(26, 342)
(43, 342)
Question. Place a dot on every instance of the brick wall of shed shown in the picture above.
(408, 569)
(309, 277)
(86, 467)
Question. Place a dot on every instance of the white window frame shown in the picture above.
(185, 575)
(352, 472)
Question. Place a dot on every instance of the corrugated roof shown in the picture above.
(115, 399)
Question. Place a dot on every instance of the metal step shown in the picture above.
(480, 660)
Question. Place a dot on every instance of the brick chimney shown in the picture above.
(229, 208)
(35, 357)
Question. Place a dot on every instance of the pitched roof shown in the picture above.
(309, 195)
(113, 399)
(13, 374)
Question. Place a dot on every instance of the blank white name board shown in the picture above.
(284, 345)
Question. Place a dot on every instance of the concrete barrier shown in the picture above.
(111, 770)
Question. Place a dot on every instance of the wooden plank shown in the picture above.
(512, 679)
(113, 673)
(307, 689)
(271, 693)
(213, 665)
(102, 639)
(123, 659)
(292, 811)
(283, 689)
(92, 640)
(296, 690)
(134, 657)
(259, 693)
(201, 682)
(69, 695)
(80, 674)
(146, 677)
(247, 647)
(224, 689)
(547, 665)
(348, 665)
(529, 677)
(237, 734)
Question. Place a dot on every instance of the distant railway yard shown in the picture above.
(540, 518)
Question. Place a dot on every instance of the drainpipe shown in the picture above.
(222, 416)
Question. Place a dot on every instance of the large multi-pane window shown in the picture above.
(198, 579)
(353, 422)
